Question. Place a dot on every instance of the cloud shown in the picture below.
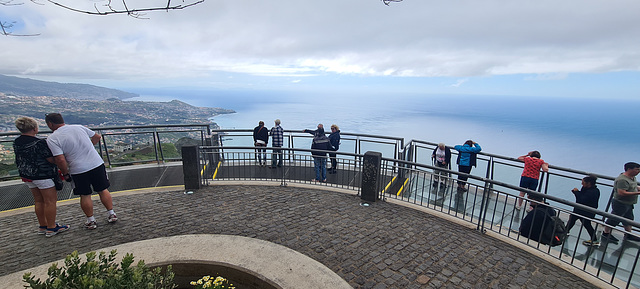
(459, 82)
(293, 38)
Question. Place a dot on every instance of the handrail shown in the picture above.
(492, 182)
(495, 211)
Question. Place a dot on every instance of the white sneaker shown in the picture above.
(518, 207)
(112, 218)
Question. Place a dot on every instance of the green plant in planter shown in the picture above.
(103, 273)
(213, 283)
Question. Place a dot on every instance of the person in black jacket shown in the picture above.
(535, 221)
(320, 142)
(442, 158)
(588, 195)
(260, 139)
(36, 167)
(334, 139)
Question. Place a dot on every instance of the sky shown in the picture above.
(571, 48)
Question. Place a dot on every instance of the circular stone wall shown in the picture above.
(274, 264)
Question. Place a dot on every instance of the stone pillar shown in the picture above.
(371, 163)
(191, 167)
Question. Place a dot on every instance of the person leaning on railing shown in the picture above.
(442, 158)
(261, 139)
(320, 142)
(625, 195)
(466, 160)
(531, 173)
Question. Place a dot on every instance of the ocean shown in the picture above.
(591, 135)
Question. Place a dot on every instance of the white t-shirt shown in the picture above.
(440, 155)
(74, 141)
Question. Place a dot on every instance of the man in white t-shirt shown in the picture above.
(76, 157)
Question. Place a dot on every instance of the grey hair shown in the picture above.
(26, 124)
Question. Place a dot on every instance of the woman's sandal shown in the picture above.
(56, 230)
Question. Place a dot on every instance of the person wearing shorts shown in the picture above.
(35, 165)
(73, 149)
(531, 173)
(625, 195)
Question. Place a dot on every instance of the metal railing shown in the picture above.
(406, 174)
(127, 145)
(241, 163)
(486, 203)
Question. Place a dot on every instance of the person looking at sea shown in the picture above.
(260, 140)
(320, 142)
(36, 167)
(277, 141)
(531, 173)
(466, 160)
(442, 158)
(334, 139)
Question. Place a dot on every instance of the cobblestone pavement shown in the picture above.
(380, 246)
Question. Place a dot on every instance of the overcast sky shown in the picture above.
(576, 48)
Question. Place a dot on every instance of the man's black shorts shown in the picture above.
(96, 178)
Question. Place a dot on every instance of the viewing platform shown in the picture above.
(377, 223)
(384, 245)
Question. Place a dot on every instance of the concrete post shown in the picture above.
(191, 167)
(371, 163)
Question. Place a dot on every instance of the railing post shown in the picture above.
(191, 167)
(371, 163)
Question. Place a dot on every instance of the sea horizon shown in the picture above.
(582, 134)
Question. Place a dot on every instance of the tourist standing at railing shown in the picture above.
(625, 195)
(261, 139)
(320, 142)
(277, 141)
(334, 139)
(531, 173)
(588, 195)
(441, 156)
(466, 160)
(36, 167)
(74, 152)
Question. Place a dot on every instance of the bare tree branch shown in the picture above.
(386, 2)
(105, 9)
(108, 8)
(5, 27)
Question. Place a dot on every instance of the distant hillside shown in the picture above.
(111, 112)
(17, 86)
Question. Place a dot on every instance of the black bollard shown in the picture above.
(190, 167)
(371, 164)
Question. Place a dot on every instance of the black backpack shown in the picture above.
(554, 232)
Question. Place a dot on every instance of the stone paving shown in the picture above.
(380, 246)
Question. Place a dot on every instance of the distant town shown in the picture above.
(97, 107)
(108, 112)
